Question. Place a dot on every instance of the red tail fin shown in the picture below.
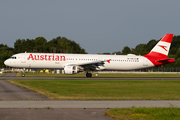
(162, 47)
(158, 55)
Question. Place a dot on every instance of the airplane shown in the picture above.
(76, 63)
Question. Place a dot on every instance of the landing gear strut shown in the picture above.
(23, 75)
(88, 74)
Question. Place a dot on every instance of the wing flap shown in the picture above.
(91, 66)
(91, 63)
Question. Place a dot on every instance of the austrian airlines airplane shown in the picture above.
(75, 63)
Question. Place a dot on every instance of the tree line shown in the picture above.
(40, 45)
(63, 45)
(143, 49)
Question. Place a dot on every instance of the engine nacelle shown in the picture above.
(70, 69)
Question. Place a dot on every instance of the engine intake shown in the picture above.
(70, 69)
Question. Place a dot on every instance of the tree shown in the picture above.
(5, 53)
(40, 44)
(117, 53)
(141, 49)
(126, 50)
(151, 44)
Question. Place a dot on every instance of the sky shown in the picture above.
(97, 25)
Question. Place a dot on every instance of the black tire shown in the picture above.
(88, 75)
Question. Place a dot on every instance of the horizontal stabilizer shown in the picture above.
(166, 60)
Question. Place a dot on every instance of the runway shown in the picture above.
(93, 78)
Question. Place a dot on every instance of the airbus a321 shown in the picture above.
(75, 63)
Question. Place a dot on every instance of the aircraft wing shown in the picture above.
(91, 66)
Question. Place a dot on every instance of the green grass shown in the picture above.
(144, 113)
(101, 75)
(104, 89)
(51, 75)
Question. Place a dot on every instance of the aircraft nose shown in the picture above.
(6, 62)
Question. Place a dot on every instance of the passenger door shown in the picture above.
(23, 58)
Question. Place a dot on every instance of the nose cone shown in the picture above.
(6, 62)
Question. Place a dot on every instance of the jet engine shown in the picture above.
(70, 69)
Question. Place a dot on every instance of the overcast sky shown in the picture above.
(97, 25)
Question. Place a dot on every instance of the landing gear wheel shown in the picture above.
(23, 75)
(88, 75)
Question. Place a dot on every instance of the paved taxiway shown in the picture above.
(53, 114)
(81, 104)
(11, 91)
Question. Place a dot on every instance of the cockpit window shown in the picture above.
(13, 57)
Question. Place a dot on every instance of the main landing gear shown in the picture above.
(23, 75)
(88, 74)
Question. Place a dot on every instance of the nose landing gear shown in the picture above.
(23, 75)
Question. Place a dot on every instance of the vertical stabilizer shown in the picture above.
(158, 55)
(162, 47)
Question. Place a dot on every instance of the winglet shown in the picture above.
(109, 60)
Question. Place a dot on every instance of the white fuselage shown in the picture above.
(58, 61)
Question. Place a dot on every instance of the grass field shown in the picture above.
(104, 89)
(101, 75)
(51, 75)
(145, 113)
